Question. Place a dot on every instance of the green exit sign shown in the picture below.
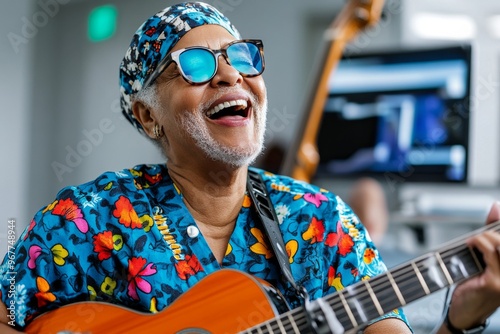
(102, 23)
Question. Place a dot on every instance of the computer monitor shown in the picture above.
(401, 114)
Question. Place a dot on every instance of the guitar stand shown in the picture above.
(320, 316)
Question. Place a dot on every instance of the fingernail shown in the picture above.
(497, 206)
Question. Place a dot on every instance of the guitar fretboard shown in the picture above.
(364, 301)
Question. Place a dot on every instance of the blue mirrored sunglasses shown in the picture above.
(198, 64)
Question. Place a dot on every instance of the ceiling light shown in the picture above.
(102, 23)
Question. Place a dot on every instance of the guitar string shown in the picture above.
(276, 328)
(402, 273)
(301, 326)
(290, 326)
(289, 323)
(420, 262)
(381, 282)
(365, 298)
(454, 249)
(446, 254)
(296, 327)
(411, 291)
(344, 319)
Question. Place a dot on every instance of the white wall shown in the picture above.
(14, 96)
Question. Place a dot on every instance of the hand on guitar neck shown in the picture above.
(477, 298)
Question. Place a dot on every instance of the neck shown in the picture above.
(214, 195)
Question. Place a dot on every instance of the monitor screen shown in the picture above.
(401, 114)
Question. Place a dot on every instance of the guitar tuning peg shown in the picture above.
(368, 12)
(362, 14)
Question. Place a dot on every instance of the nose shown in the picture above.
(226, 74)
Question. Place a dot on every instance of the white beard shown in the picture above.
(194, 125)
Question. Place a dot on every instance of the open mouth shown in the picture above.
(229, 108)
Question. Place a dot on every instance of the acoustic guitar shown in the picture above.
(229, 301)
(302, 158)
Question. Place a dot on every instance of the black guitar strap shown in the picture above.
(258, 192)
(265, 209)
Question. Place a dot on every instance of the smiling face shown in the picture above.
(220, 121)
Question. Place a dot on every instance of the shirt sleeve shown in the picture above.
(45, 268)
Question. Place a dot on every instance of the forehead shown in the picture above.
(209, 35)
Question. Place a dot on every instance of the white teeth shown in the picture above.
(220, 106)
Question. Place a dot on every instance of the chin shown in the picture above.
(235, 158)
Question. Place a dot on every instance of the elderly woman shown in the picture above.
(142, 237)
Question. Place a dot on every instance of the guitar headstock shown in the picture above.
(355, 16)
(303, 158)
(368, 11)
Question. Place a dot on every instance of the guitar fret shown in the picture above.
(294, 325)
(301, 321)
(396, 289)
(277, 328)
(269, 328)
(374, 298)
(478, 262)
(280, 325)
(445, 270)
(385, 293)
(339, 309)
(462, 263)
(432, 270)
(471, 264)
(361, 304)
(420, 278)
(348, 310)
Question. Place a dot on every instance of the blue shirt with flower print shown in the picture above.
(128, 238)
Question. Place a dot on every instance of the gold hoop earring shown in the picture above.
(157, 131)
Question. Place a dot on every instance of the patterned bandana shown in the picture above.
(153, 41)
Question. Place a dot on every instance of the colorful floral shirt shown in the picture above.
(128, 238)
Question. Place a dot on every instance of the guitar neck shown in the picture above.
(360, 303)
(302, 156)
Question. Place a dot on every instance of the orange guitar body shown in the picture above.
(226, 301)
(229, 301)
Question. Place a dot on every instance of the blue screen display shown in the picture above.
(400, 114)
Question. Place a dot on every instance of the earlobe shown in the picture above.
(144, 115)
